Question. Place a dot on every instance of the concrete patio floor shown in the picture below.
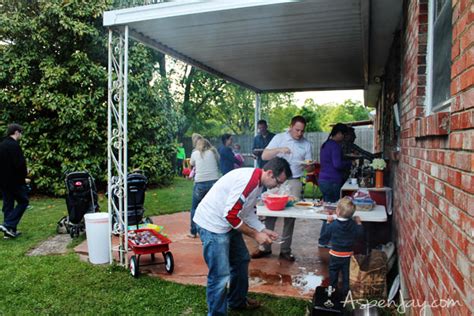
(267, 275)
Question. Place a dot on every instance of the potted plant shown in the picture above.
(378, 165)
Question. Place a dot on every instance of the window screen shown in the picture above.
(440, 67)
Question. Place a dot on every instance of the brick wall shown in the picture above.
(433, 180)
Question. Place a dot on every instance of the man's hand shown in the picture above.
(27, 181)
(273, 235)
(263, 238)
(357, 220)
(284, 150)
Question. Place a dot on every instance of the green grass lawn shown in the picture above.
(63, 285)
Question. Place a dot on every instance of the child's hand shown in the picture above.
(357, 220)
(330, 219)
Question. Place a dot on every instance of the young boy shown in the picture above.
(342, 232)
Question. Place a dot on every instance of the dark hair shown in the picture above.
(278, 165)
(12, 128)
(298, 118)
(225, 137)
(338, 128)
(262, 122)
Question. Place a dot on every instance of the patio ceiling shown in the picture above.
(273, 46)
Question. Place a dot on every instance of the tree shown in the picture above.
(53, 80)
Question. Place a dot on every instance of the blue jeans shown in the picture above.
(331, 193)
(200, 190)
(227, 258)
(12, 215)
(337, 264)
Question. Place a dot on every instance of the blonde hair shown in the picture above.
(195, 137)
(345, 207)
(203, 145)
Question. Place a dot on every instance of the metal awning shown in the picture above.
(272, 46)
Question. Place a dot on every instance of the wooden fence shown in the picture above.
(365, 139)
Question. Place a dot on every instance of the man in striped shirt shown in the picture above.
(227, 211)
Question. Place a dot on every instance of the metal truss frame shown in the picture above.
(117, 138)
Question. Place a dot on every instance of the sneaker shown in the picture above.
(250, 304)
(288, 256)
(324, 246)
(8, 232)
(191, 235)
(261, 253)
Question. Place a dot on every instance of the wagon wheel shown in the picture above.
(134, 267)
(169, 262)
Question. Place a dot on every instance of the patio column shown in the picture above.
(257, 118)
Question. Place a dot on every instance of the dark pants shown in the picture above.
(337, 264)
(331, 192)
(11, 214)
(179, 167)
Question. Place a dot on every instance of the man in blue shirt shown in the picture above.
(261, 141)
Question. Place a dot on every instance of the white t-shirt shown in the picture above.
(207, 168)
(300, 150)
(231, 201)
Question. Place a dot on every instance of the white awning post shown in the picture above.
(117, 141)
(257, 118)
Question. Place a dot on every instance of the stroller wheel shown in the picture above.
(169, 262)
(148, 220)
(74, 232)
(134, 267)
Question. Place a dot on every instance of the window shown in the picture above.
(438, 70)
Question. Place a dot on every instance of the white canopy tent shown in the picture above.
(263, 45)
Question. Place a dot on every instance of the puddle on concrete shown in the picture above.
(306, 282)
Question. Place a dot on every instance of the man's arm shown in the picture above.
(273, 152)
(263, 237)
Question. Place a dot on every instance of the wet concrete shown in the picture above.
(269, 275)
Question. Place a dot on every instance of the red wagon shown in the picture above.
(149, 242)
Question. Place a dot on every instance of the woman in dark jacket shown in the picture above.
(227, 158)
(333, 167)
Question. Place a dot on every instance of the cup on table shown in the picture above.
(353, 181)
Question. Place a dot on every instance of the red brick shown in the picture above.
(467, 38)
(455, 85)
(468, 140)
(467, 98)
(463, 120)
(449, 193)
(467, 183)
(454, 177)
(455, 49)
(467, 79)
(457, 277)
(455, 140)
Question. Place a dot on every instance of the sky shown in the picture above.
(323, 97)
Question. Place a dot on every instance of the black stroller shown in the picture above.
(136, 184)
(81, 198)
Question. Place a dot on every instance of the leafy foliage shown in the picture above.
(53, 80)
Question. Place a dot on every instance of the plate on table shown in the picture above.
(306, 162)
(302, 204)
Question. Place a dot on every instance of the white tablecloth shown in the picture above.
(377, 214)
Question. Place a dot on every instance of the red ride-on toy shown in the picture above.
(149, 242)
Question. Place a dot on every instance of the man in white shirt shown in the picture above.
(227, 211)
(294, 148)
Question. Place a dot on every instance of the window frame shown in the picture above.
(444, 106)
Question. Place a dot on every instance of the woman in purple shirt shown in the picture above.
(333, 166)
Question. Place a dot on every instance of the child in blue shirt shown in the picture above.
(342, 232)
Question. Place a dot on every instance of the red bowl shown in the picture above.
(274, 203)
